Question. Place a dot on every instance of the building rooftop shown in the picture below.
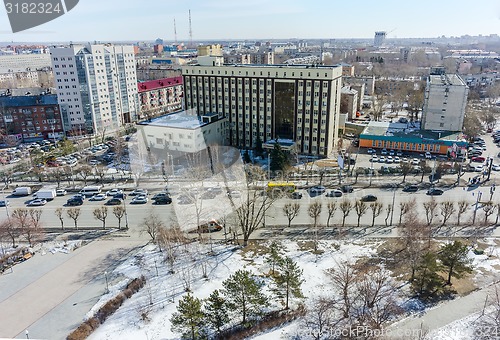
(297, 66)
(411, 133)
(158, 83)
(181, 119)
(446, 79)
(29, 100)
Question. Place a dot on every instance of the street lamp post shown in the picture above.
(478, 198)
(393, 201)
(27, 334)
(492, 191)
(106, 277)
(126, 215)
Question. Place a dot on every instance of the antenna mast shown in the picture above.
(175, 32)
(190, 31)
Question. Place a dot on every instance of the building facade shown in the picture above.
(30, 118)
(96, 86)
(24, 62)
(298, 102)
(158, 97)
(444, 103)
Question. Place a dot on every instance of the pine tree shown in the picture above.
(259, 150)
(274, 255)
(243, 294)
(279, 158)
(454, 258)
(427, 281)
(215, 310)
(246, 157)
(288, 280)
(188, 318)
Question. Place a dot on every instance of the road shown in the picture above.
(50, 294)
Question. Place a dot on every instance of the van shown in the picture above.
(22, 191)
(90, 191)
(46, 193)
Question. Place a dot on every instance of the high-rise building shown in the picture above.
(268, 102)
(96, 86)
(379, 38)
(444, 103)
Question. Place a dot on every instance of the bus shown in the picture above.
(278, 189)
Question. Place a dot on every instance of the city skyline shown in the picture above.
(130, 20)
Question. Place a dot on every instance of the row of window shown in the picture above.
(406, 146)
(258, 73)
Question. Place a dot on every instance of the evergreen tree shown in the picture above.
(279, 158)
(259, 150)
(427, 281)
(453, 257)
(246, 157)
(188, 318)
(288, 280)
(215, 310)
(274, 255)
(243, 294)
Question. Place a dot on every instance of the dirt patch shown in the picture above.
(255, 248)
(309, 246)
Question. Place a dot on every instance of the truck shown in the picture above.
(46, 193)
(22, 191)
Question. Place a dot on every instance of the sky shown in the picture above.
(145, 20)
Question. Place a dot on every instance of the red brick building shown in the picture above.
(158, 97)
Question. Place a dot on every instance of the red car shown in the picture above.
(478, 159)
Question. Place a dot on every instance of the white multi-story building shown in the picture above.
(23, 62)
(96, 86)
(269, 102)
(445, 102)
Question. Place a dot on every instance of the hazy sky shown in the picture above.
(108, 20)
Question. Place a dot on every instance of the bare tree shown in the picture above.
(332, 207)
(463, 205)
(406, 168)
(343, 277)
(498, 213)
(404, 207)
(321, 318)
(314, 212)
(84, 172)
(20, 216)
(10, 229)
(413, 235)
(74, 214)
(388, 211)
(430, 210)
(376, 209)
(119, 212)
(291, 210)
(345, 206)
(34, 230)
(447, 210)
(488, 209)
(361, 207)
(60, 215)
(152, 225)
(101, 214)
(168, 240)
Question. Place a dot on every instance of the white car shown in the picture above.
(381, 159)
(495, 167)
(389, 159)
(415, 161)
(98, 197)
(397, 159)
(113, 192)
(60, 192)
(428, 155)
(37, 202)
(374, 158)
(479, 168)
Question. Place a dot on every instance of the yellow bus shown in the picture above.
(280, 188)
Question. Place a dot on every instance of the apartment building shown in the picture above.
(157, 97)
(268, 102)
(31, 117)
(23, 62)
(444, 103)
(96, 86)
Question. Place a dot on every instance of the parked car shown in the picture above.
(120, 195)
(74, 201)
(163, 200)
(415, 161)
(114, 201)
(98, 197)
(346, 188)
(428, 155)
(37, 202)
(495, 167)
(374, 158)
(410, 188)
(435, 192)
(60, 192)
(478, 159)
(334, 193)
(210, 227)
(296, 195)
(381, 159)
(160, 195)
(369, 198)
(371, 151)
(317, 190)
(4, 203)
(383, 152)
(113, 192)
(139, 192)
(139, 200)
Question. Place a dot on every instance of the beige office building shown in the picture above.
(299, 103)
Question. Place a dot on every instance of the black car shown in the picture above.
(74, 201)
(435, 192)
(163, 200)
(410, 188)
(160, 195)
(346, 189)
(296, 195)
(114, 201)
(121, 196)
(369, 198)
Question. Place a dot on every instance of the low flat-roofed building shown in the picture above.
(405, 137)
(183, 132)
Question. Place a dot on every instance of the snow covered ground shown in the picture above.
(203, 267)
